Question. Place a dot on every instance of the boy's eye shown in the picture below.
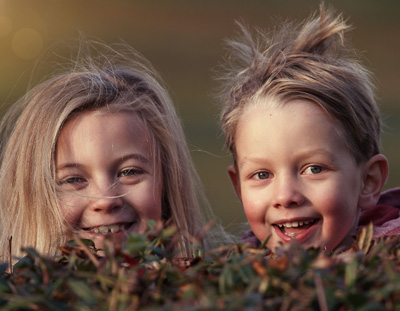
(262, 175)
(313, 169)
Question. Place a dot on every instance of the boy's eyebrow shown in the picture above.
(300, 155)
(310, 153)
(136, 156)
(251, 159)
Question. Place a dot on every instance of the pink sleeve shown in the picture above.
(385, 215)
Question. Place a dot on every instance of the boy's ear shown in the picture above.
(375, 175)
(234, 175)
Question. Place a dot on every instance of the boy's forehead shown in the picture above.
(289, 125)
(266, 102)
(270, 105)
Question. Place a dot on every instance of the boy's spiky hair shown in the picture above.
(308, 61)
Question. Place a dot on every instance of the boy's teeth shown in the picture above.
(294, 224)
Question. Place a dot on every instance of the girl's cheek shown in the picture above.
(72, 201)
(70, 217)
(71, 207)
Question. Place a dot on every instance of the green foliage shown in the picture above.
(144, 275)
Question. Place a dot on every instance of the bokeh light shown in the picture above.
(27, 43)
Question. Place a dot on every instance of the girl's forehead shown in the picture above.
(109, 117)
(105, 123)
(98, 135)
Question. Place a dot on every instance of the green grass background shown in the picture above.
(185, 42)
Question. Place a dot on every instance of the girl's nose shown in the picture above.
(287, 193)
(107, 200)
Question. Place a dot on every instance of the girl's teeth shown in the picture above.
(114, 228)
(107, 229)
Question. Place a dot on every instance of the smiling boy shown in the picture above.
(304, 129)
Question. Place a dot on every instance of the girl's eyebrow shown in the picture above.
(135, 156)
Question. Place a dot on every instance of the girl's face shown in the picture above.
(104, 162)
(295, 177)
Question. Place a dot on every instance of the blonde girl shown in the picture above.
(98, 150)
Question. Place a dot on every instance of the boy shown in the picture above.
(304, 129)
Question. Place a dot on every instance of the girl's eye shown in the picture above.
(130, 172)
(314, 169)
(262, 175)
(72, 180)
(72, 183)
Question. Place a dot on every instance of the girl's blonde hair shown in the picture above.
(308, 61)
(115, 79)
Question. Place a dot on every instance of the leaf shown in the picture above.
(3, 267)
(351, 273)
(280, 263)
(86, 242)
(259, 268)
(136, 243)
(24, 262)
(82, 290)
(264, 243)
(4, 287)
(364, 241)
(151, 223)
(168, 232)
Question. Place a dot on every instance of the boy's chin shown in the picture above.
(346, 243)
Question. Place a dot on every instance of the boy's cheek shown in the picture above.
(255, 210)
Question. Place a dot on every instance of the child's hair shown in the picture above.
(308, 61)
(115, 80)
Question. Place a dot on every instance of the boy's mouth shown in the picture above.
(293, 228)
(109, 229)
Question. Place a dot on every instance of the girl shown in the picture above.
(95, 151)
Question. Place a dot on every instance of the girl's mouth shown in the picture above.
(295, 229)
(109, 229)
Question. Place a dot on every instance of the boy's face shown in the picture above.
(295, 177)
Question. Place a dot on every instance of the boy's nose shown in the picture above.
(286, 193)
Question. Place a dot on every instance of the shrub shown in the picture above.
(144, 275)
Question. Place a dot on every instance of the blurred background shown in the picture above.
(185, 42)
